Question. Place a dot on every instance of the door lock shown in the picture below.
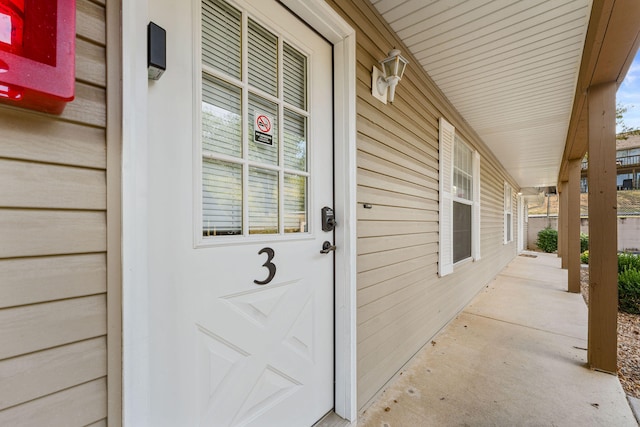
(328, 219)
(327, 247)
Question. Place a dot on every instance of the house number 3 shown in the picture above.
(268, 264)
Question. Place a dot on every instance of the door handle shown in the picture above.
(327, 247)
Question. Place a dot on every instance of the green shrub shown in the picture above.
(584, 257)
(627, 261)
(548, 240)
(629, 291)
(584, 242)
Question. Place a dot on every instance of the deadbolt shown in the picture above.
(328, 219)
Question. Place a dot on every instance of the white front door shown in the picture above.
(240, 167)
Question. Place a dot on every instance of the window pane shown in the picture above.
(461, 231)
(295, 204)
(263, 201)
(258, 151)
(263, 59)
(221, 117)
(462, 171)
(221, 33)
(295, 141)
(295, 77)
(221, 198)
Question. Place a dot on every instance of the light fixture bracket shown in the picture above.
(378, 85)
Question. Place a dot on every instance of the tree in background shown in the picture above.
(625, 131)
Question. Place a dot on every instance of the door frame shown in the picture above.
(135, 149)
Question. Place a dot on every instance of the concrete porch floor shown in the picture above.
(516, 356)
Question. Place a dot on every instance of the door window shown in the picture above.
(254, 128)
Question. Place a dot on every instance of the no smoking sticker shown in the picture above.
(263, 129)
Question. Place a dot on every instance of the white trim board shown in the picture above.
(329, 24)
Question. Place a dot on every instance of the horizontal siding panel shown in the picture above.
(90, 21)
(393, 213)
(34, 137)
(383, 166)
(34, 233)
(395, 318)
(372, 277)
(376, 196)
(78, 406)
(41, 326)
(88, 107)
(35, 185)
(91, 63)
(381, 290)
(382, 143)
(396, 136)
(386, 331)
(387, 243)
(39, 374)
(101, 423)
(386, 366)
(390, 228)
(377, 180)
(382, 259)
(394, 300)
(32, 280)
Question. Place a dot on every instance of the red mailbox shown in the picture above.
(37, 53)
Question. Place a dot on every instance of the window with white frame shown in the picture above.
(508, 213)
(459, 200)
(462, 200)
(254, 115)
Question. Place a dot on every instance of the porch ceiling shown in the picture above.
(509, 67)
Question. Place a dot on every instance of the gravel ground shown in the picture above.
(628, 343)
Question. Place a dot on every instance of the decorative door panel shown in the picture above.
(242, 297)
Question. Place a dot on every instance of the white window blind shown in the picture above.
(295, 77)
(254, 118)
(508, 213)
(263, 59)
(221, 37)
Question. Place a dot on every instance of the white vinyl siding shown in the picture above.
(55, 353)
(402, 300)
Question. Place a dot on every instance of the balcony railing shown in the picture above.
(625, 161)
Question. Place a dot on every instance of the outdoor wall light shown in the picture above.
(392, 70)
